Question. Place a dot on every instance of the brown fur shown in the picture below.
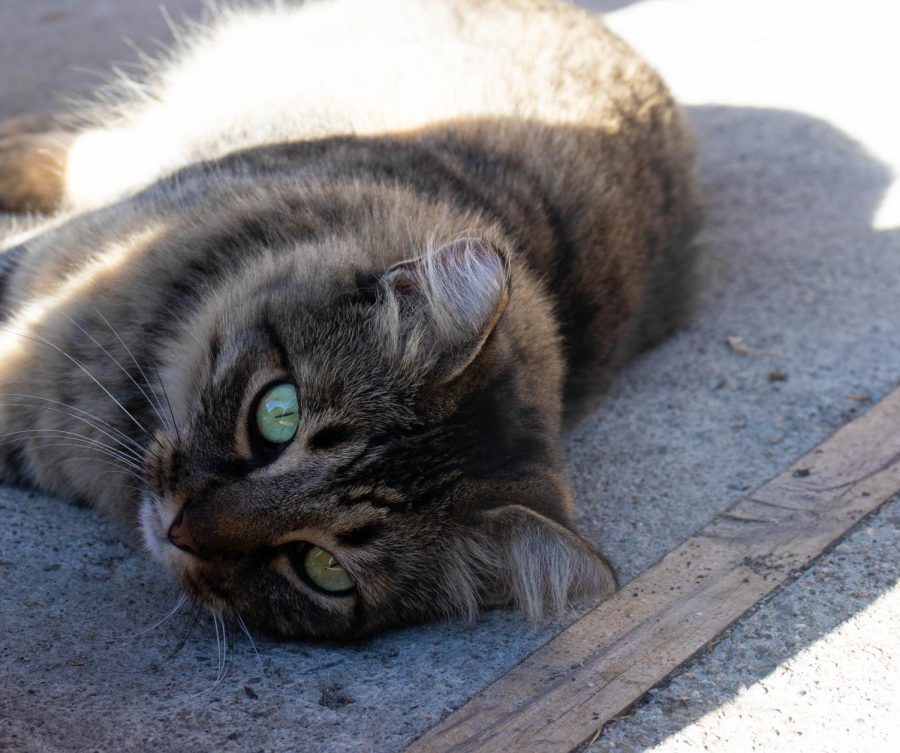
(31, 168)
(435, 294)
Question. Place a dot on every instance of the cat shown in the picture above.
(321, 290)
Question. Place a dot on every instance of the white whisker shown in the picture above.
(218, 645)
(45, 341)
(125, 452)
(123, 463)
(246, 630)
(118, 363)
(134, 360)
(166, 395)
(224, 651)
(76, 440)
(222, 660)
(99, 420)
(118, 468)
(181, 602)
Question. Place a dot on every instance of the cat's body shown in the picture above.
(246, 221)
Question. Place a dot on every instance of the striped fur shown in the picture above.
(447, 243)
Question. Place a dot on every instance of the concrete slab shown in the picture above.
(815, 667)
(793, 108)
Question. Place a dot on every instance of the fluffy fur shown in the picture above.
(439, 220)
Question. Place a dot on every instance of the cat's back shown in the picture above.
(375, 66)
(529, 113)
(277, 72)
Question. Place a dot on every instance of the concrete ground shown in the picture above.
(796, 113)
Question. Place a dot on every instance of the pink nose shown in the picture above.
(180, 533)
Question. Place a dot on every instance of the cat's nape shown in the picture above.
(321, 358)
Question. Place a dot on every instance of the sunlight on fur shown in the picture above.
(303, 84)
(332, 277)
(32, 314)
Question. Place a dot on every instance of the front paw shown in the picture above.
(32, 169)
(40, 123)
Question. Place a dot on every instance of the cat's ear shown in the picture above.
(536, 564)
(442, 307)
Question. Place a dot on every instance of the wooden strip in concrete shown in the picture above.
(560, 696)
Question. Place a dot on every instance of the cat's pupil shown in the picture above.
(319, 568)
(278, 413)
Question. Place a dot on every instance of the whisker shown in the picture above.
(262, 669)
(45, 341)
(218, 645)
(181, 602)
(41, 433)
(224, 648)
(98, 460)
(157, 404)
(223, 662)
(166, 395)
(87, 445)
(99, 420)
(196, 613)
(118, 363)
(71, 435)
(120, 463)
(226, 659)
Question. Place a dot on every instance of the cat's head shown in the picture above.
(359, 451)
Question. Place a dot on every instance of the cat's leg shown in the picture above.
(47, 164)
(32, 166)
(39, 123)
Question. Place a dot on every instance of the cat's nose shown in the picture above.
(180, 533)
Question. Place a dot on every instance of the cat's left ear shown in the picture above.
(538, 565)
(442, 307)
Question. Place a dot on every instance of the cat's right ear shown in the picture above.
(526, 560)
(439, 310)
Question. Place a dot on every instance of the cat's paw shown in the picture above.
(39, 123)
(32, 168)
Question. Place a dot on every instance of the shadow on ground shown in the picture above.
(792, 266)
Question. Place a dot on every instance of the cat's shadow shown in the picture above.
(791, 263)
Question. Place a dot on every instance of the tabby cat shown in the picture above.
(318, 288)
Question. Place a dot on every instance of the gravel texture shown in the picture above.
(814, 667)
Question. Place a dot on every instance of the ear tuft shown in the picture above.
(447, 302)
(538, 565)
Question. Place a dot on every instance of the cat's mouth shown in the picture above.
(158, 518)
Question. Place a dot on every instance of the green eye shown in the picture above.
(325, 571)
(278, 413)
